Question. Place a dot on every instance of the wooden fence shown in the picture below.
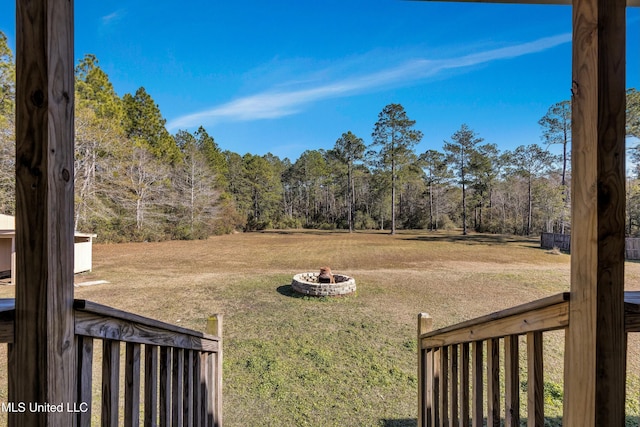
(555, 240)
(563, 242)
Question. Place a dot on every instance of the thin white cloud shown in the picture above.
(111, 18)
(273, 104)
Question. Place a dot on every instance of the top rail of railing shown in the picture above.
(103, 322)
(541, 315)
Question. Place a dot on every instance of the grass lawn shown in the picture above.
(350, 361)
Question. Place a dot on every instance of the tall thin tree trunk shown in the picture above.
(393, 196)
(530, 208)
(350, 197)
(431, 225)
(353, 201)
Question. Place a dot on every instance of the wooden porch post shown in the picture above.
(43, 358)
(595, 346)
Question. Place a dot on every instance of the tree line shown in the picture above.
(135, 181)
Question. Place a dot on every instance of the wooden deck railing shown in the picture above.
(172, 375)
(452, 363)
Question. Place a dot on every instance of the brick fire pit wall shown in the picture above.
(307, 284)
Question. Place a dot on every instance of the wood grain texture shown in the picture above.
(45, 353)
(177, 387)
(218, 364)
(99, 326)
(85, 378)
(511, 312)
(512, 381)
(211, 386)
(110, 382)
(197, 390)
(150, 385)
(465, 384)
(187, 397)
(6, 331)
(110, 312)
(443, 393)
(454, 378)
(493, 382)
(165, 386)
(204, 390)
(426, 406)
(632, 322)
(477, 370)
(132, 386)
(425, 324)
(7, 319)
(547, 318)
(595, 356)
(535, 380)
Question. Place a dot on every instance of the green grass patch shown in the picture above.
(292, 360)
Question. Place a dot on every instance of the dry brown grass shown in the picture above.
(413, 266)
(297, 361)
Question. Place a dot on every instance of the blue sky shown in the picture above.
(286, 76)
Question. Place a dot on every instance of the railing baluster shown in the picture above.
(150, 385)
(165, 386)
(182, 368)
(425, 324)
(444, 387)
(535, 381)
(85, 378)
(512, 381)
(451, 374)
(435, 419)
(198, 420)
(204, 389)
(210, 397)
(132, 386)
(217, 378)
(477, 373)
(110, 382)
(453, 386)
(493, 382)
(428, 385)
(464, 385)
(177, 387)
(187, 399)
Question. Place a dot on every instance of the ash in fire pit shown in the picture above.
(319, 284)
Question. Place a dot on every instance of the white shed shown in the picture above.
(83, 248)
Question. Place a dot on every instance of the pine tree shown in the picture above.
(435, 169)
(530, 162)
(395, 136)
(347, 150)
(144, 125)
(459, 152)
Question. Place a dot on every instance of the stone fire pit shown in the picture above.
(307, 284)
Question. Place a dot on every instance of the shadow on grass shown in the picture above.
(477, 239)
(287, 291)
(401, 422)
(548, 421)
(304, 231)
